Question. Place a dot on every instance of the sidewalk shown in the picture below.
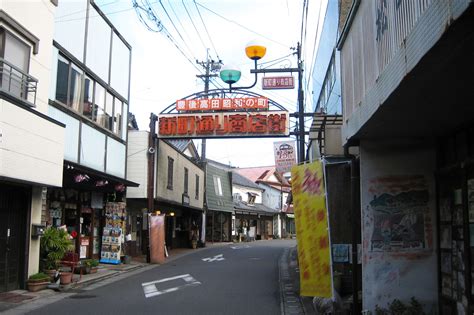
(292, 302)
(23, 301)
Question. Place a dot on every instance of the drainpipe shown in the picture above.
(355, 212)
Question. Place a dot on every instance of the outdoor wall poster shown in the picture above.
(311, 218)
(401, 214)
(340, 253)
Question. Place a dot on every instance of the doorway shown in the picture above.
(14, 204)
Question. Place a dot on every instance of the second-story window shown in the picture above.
(197, 188)
(186, 173)
(69, 84)
(170, 173)
(15, 55)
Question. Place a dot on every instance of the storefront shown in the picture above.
(218, 226)
(455, 181)
(91, 207)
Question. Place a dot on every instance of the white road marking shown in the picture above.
(150, 289)
(215, 258)
(240, 247)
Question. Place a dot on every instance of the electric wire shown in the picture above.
(94, 16)
(192, 22)
(207, 32)
(177, 31)
(240, 25)
(84, 10)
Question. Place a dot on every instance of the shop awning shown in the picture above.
(76, 174)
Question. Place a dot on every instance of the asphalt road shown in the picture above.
(232, 279)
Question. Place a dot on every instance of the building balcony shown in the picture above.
(17, 84)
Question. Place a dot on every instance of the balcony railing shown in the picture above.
(17, 83)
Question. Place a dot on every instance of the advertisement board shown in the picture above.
(285, 155)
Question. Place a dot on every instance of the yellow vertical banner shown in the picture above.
(312, 234)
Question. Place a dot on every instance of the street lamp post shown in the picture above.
(230, 75)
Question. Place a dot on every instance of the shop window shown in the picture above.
(170, 173)
(217, 185)
(197, 188)
(186, 173)
(62, 80)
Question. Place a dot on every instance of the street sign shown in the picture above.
(222, 104)
(277, 83)
(224, 124)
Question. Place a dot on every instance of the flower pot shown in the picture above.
(66, 277)
(93, 270)
(37, 285)
(194, 244)
(51, 273)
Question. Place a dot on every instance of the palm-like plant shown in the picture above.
(53, 245)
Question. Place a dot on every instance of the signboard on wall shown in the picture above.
(224, 125)
(212, 104)
(285, 155)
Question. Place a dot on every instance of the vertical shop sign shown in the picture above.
(312, 231)
(112, 234)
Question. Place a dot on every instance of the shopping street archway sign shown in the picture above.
(223, 115)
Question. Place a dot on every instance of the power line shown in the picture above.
(204, 24)
(177, 31)
(240, 25)
(90, 17)
(84, 10)
(192, 22)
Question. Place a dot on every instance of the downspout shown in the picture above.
(355, 210)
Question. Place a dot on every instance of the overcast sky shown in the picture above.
(161, 74)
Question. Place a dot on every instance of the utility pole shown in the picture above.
(209, 66)
(301, 127)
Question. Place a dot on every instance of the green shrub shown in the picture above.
(39, 276)
(54, 244)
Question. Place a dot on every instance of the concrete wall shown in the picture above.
(398, 190)
(137, 163)
(180, 162)
(31, 147)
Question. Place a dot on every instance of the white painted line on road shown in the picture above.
(240, 247)
(150, 289)
(215, 258)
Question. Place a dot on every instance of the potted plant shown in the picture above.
(91, 265)
(38, 281)
(54, 244)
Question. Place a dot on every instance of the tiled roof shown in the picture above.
(243, 181)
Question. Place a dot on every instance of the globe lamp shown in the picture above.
(255, 51)
(230, 74)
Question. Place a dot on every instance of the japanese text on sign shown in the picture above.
(235, 124)
(212, 104)
(287, 82)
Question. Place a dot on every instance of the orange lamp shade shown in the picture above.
(255, 51)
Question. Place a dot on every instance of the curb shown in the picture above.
(289, 293)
